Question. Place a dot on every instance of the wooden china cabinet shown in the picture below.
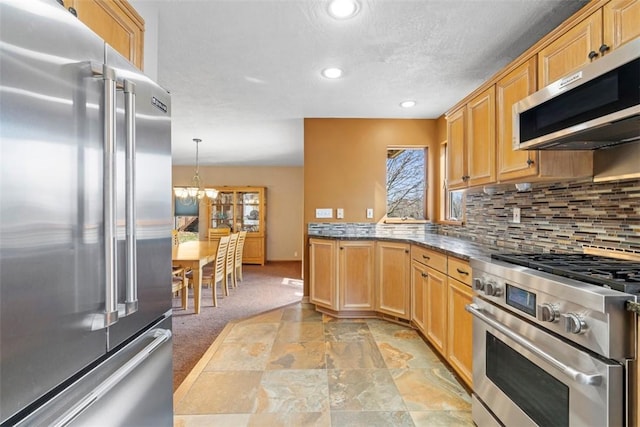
(242, 209)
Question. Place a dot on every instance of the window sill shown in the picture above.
(452, 222)
(404, 221)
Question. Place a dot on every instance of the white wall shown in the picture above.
(149, 13)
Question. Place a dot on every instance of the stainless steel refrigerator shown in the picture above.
(85, 228)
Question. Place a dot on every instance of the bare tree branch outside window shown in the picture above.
(406, 176)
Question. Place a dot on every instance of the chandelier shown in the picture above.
(195, 193)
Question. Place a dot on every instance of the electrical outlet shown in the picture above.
(324, 213)
(516, 215)
(369, 213)
(340, 213)
(295, 254)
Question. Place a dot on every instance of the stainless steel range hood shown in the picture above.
(621, 162)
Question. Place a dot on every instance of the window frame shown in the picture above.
(445, 193)
(396, 220)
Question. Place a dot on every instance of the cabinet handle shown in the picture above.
(593, 54)
(341, 247)
(424, 274)
(530, 162)
(466, 273)
(406, 251)
(426, 257)
(604, 48)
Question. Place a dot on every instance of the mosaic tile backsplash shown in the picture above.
(555, 217)
(562, 217)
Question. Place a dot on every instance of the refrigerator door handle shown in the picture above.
(131, 301)
(110, 216)
(160, 337)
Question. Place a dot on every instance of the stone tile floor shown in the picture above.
(296, 367)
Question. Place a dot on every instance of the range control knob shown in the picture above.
(547, 312)
(478, 284)
(492, 289)
(573, 323)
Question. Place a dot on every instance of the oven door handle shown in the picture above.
(577, 376)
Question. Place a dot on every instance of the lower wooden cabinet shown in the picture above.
(323, 289)
(356, 266)
(459, 340)
(253, 251)
(393, 279)
(419, 277)
(365, 277)
(436, 308)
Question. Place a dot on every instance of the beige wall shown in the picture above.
(345, 163)
(284, 201)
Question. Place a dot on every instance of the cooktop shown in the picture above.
(618, 274)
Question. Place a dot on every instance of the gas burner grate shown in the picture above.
(621, 275)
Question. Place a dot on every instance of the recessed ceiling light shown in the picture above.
(407, 104)
(343, 9)
(332, 73)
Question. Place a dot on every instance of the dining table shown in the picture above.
(195, 254)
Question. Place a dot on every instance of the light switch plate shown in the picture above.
(324, 213)
(340, 213)
(516, 215)
(369, 213)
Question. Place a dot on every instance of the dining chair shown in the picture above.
(216, 233)
(212, 274)
(237, 270)
(180, 283)
(230, 264)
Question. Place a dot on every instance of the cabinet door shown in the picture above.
(253, 251)
(222, 211)
(249, 212)
(356, 275)
(456, 158)
(515, 86)
(116, 22)
(621, 22)
(437, 310)
(481, 139)
(393, 280)
(570, 51)
(419, 295)
(322, 273)
(459, 340)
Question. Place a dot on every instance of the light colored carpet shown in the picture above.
(264, 288)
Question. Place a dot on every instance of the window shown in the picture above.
(452, 202)
(406, 183)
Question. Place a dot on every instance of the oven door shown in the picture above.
(527, 377)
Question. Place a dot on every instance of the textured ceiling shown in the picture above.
(243, 74)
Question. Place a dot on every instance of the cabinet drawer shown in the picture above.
(460, 270)
(433, 259)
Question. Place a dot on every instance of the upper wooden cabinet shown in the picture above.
(518, 164)
(608, 28)
(471, 142)
(481, 139)
(456, 158)
(571, 51)
(621, 22)
(117, 22)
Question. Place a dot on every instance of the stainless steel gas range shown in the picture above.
(553, 342)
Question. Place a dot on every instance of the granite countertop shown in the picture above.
(454, 246)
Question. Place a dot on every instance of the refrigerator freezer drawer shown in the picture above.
(133, 387)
